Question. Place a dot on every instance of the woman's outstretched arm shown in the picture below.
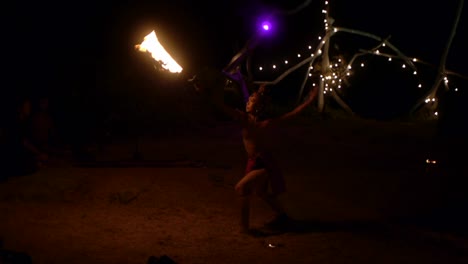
(310, 98)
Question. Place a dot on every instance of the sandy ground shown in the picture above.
(345, 184)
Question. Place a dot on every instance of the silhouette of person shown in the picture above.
(42, 126)
(263, 176)
(20, 155)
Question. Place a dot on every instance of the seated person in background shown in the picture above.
(19, 155)
(42, 126)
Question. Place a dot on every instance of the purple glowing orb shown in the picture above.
(266, 26)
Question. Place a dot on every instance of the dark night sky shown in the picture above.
(215, 29)
(53, 44)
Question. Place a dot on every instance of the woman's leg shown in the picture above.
(274, 203)
(245, 188)
(280, 218)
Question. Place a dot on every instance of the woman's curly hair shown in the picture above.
(263, 102)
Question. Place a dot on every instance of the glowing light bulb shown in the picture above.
(266, 26)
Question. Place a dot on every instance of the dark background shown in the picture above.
(81, 53)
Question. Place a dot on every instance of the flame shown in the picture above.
(151, 44)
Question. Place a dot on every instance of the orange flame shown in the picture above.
(151, 44)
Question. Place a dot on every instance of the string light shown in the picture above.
(338, 69)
